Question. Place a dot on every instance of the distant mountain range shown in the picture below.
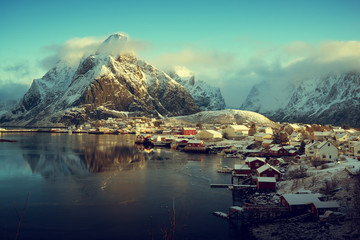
(328, 99)
(108, 83)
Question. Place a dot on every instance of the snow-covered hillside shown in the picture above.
(328, 99)
(227, 116)
(206, 97)
(112, 79)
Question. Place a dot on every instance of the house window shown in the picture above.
(330, 156)
(256, 164)
(324, 156)
(328, 144)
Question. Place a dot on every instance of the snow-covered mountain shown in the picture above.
(110, 82)
(329, 99)
(7, 105)
(227, 116)
(206, 97)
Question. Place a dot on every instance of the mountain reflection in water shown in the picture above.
(105, 187)
(100, 154)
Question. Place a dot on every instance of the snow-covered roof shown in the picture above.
(213, 132)
(239, 127)
(188, 128)
(241, 167)
(294, 126)
(266, 179)
(265, 168)
(321, 134)
(251, 159)
(301, 199)
(195, 141)
(324, 143)
(340, 135)
(328, 204)
(262, 134)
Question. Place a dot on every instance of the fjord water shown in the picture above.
(104, 187)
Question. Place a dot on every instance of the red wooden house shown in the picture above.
(318, 208)
(266, 183)
(195, 143)
(255, 162)
(278, 151)
(188, 131)
(268, 171)
(241, 170)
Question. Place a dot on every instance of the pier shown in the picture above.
(251, 213)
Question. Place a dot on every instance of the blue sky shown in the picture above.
(230, 44)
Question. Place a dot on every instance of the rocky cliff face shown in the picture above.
(207, 97)
(102, 84)
(330, 99)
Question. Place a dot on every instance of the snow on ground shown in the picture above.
(227, 116)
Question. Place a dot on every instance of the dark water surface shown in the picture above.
(103, 187)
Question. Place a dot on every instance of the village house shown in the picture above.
(296, 137)
(302, 203)
(195, 143)
(321, 136)
(298, 203)
(311, 149)
(355, 148)
(342, 137)
(188, 131)
(338, 130)
(266, 183)
(241, 170)
(255, 162)
(278, 150)
(266, 143)
(325, 151)
(210, 135)
(236, 131)
(265, 130)
(260, 137)
(318, 208)
(328, 151)
(268, 171)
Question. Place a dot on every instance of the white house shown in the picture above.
(296, 137)
(211, 135)
(265, 130)
(342, 137)
(236, 131)
(260, 137)
(321, 136)
(327, 151)
(356, 149)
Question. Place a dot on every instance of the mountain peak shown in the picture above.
(117, 37)
(114, 45)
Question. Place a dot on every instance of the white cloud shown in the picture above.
(71, 51)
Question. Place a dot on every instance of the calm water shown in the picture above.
(103, 187)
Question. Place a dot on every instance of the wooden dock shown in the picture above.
(220, 185)
(250, 213)
(231, 186)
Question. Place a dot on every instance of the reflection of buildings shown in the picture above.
(78, 155)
